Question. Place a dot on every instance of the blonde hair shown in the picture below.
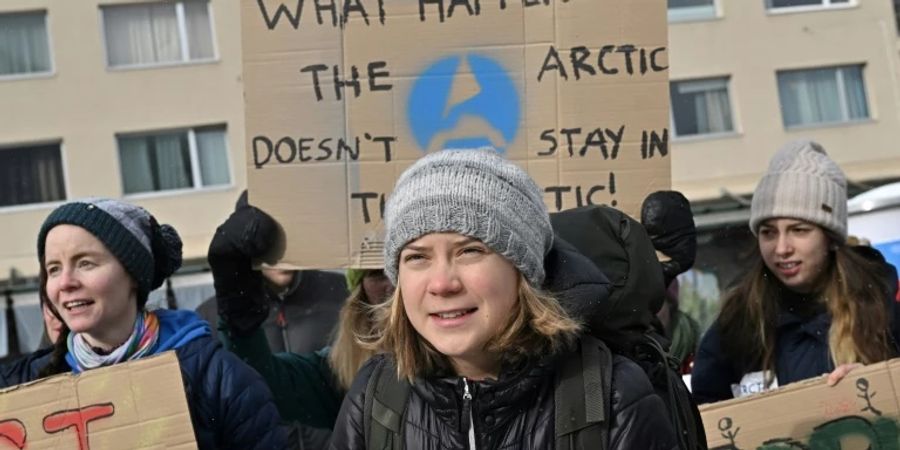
(537, 325)
(348, 353)
(859, 326)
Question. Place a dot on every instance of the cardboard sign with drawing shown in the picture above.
(860, 412)
(342, 96)
(133, 405)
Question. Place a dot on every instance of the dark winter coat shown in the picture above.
(306, 390)
(285, 350)
(517, 410)
(801, 352)
(230, 405)
(300, 321)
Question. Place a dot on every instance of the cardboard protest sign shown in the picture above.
(136, 405)
(861, 412)
(342, 95)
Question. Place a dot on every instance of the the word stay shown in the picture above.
(579, 141)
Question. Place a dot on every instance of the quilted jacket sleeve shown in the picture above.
(638, 414)
(713, 375)
(349, 430)
(24, 369)
(248, 418)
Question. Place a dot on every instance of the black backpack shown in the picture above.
(581, 400)
(621, 248)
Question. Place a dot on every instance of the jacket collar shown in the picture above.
(502, 397)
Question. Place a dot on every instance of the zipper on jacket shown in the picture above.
(467, 412)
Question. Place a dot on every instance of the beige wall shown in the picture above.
(84, 105)
(749, 44)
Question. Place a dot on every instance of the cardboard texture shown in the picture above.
(342, 95)
(861, 412)
(136, 405)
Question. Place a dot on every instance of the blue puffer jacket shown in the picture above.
(230, 405)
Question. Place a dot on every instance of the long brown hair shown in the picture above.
(348, 353)
(854, 294)
(537, 325)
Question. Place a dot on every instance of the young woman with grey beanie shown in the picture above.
(809, 304)
(475, 332)
(99, 259)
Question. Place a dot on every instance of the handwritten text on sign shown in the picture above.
(342, 95)
(12, 431)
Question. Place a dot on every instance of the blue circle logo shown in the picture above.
(490, 112)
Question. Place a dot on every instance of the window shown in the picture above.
(826, 95)
(24, 47)
(31, 174)
(684, 10)
(778, 4)
(897, 14)
(184, 159)
(701, 107)
(158, 33)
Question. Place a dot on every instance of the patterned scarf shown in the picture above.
(142, 340)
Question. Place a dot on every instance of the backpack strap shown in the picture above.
(582, 398)
(662, 370)
(384, 408)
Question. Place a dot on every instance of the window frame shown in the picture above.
(693, 14)
(825, 5)
(182, 37)
(841, 95)
(51, 72)
(705, 136)
(193, 152)
(63, 161)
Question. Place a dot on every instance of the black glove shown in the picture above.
(240, 294)
(667, 217)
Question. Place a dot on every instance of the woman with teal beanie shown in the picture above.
(99, 260)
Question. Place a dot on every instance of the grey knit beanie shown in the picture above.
(149, 252)
(476, 193)
(802, 182)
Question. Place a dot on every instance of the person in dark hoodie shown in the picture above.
(669, 221)
(99, 259)
(308, 384)
(810, 304)
(469, 331)
(298, 308)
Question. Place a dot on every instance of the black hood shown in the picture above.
(575, 281)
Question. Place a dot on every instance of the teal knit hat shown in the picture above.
(148, 251)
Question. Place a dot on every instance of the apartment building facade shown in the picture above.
(119, 99)
(749, 76)
(115, 98)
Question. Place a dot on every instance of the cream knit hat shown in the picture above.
(802, 182)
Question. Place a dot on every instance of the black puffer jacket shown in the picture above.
(516, 411)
